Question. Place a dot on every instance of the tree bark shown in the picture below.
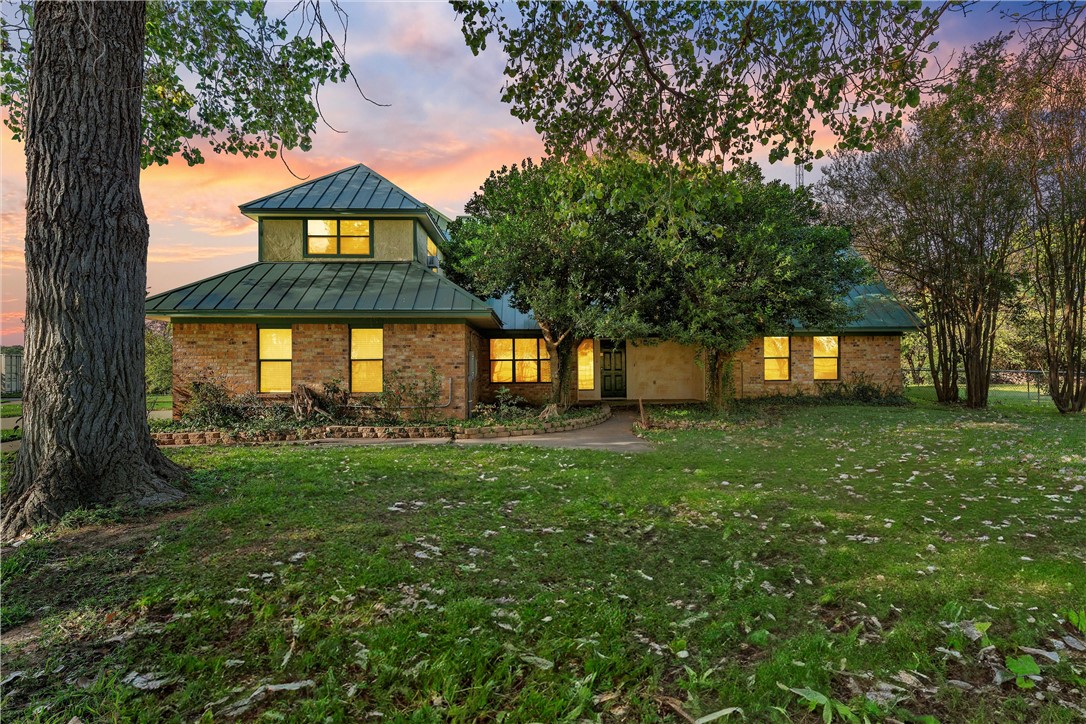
(562, 365)
(718, 375)
(85, 436)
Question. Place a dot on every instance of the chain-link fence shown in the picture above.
(1006, 386)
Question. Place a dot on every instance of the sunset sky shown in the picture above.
(445, 129)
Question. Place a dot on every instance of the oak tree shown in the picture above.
(97, 91)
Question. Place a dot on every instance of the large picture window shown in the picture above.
(338, 237)
(827, 355)
(778, 356)
(274, 353)
(519, 360)
(367, 359)
(586, 365)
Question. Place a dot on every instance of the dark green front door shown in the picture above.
(613, 368)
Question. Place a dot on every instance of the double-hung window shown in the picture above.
(827, 356)
(367, 359)
(273, 354)
(338, 237)
(778, 357)
(519, 360)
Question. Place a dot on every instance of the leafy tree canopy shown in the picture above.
(696, 80)
(222, 74)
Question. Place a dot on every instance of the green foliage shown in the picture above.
(220, 75)
(414, 397)
(1023, 667)
(831, 708)
(211, 404)
(507, 407)
(697, 79)
(158, 348)
(1077, 619)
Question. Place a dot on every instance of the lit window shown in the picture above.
(519, 360)
(338, 237)
(827, 353)
(274, 352)
(367, 359)
(586, 365)
(777, 357)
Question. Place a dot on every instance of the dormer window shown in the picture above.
(339, 237)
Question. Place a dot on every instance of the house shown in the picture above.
(349, 286)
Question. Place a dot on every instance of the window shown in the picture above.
(827, 353)
(274, 352)
(338, 237)
(777, 353)
(519, 360)
(586, 365)
(367, 359)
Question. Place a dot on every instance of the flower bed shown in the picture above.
(369, 432)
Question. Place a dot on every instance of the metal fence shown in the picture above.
(1006, 385)
(11, 374)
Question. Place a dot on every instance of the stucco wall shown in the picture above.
(281, 240)
(663, 371)
(393, 240)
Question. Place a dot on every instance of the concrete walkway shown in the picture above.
(614, 435)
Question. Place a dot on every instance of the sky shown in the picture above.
(443, 130)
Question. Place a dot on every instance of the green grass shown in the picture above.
(821, 548)
(154, 402)
(10, 435)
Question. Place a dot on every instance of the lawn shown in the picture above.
(154, 402)
(893, 559)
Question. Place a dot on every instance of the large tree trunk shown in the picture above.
(718, 376)
(942, 346)
(563, 364)
(85, 435)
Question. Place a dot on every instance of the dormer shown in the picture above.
(350, 215)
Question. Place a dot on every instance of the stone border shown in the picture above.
(367, 432)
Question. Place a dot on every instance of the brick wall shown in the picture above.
(220, 352)
(321, 352)
(874, 358)
(414, 348)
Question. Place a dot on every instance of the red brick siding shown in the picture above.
(220, 352)
(874, 358)
(321, 353)
(414, 348)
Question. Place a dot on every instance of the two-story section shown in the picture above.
(348, 288)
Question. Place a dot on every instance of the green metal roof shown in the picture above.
(329, 289)
(357, 188)
(880, 311)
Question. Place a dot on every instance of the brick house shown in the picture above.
(348, 286)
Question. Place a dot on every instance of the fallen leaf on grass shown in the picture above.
(1050, 655)
(537, 661)
(241, 706)
(149, 681)
(718, 715)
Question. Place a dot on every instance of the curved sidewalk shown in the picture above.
(613, 435)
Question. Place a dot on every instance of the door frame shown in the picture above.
(607, 345)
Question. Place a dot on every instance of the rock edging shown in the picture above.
(372, 432)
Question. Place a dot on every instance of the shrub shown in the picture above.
(211, 404)
(414, 398)
(507, 407)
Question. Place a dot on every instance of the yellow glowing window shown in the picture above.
(586, 365)
(367, 360)
(431, 247)
(777, 354)
(827, 355)
(519, 360)
(274, 352)
(338, 237)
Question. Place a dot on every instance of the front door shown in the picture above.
(613, 369)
